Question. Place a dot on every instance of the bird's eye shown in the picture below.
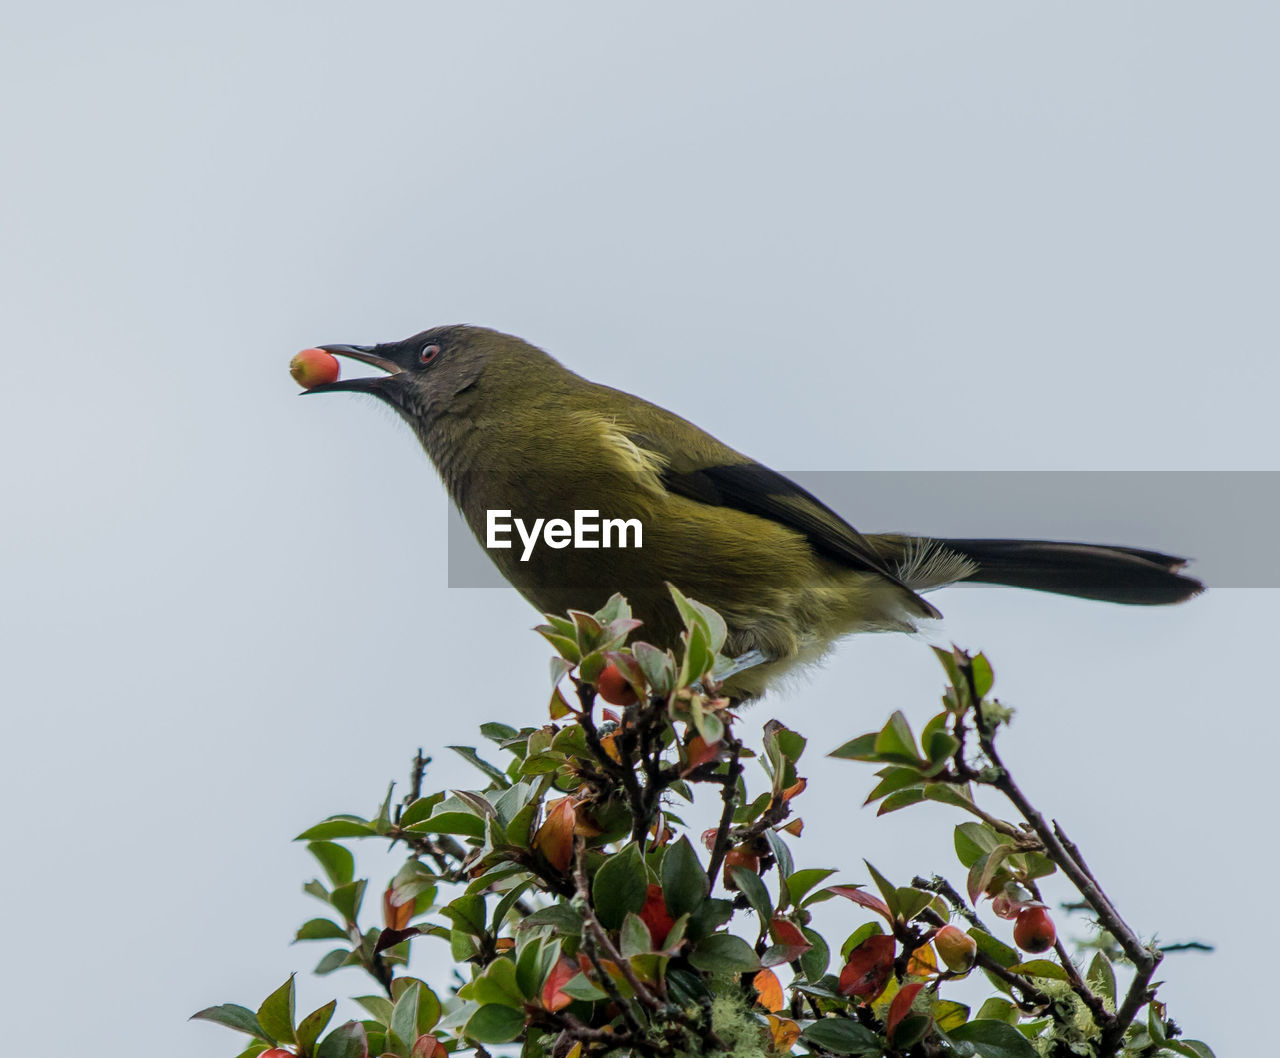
(429, 353)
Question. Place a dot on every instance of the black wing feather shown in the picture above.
(755, 489)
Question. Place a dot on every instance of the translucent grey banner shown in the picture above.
(1223, 521)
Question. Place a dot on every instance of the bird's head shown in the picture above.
(430, 371)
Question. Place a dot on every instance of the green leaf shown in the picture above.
(347, 899)
(320, 929)
(508, 901)
(658, 666)
(336, 860)
(948, 1014)
(974, 840)
(234, 1016)
(498, 985)
(751, 886)
(802, 881)
(861, 748)
(940, 746)
(463, 946)
(276, 1013)
(912, 795)
(1040, 968)
(983, 676)
(994, 1039)
(619, 886)
(895, 742)
(815, 961)
(709, 916)
(949, 794)
(403, 1026)
(420, 809)
(684, 881)
(1101, 977)
(893, 778)
(786, 865)
(984, 869)
(466, 823)
(843, 1036)
(997, 1009)
(310, 1027)
(498, 733)
(379, 1006)
(346, 1041)
(560, 917)
(1190, 1048)
(988, 945)
(468, 753)
(633, 937)
(887, 889)
(565, 646)
(724, 953)
(494, 1024)
(911, 902)
(467, 913)
(338, 827)
(580, 987)
(332, 961)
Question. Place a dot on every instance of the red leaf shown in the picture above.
(901, 1006)
(867, 971)
(788, 938)
(859, 896)
(560, 975)
(655, 915)
(698, 752)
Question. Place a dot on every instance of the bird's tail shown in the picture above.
(1091, 571)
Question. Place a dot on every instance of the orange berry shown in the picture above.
(957, 949)
(739, 857)
(314, 367)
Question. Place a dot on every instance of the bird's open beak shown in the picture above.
(366, 355)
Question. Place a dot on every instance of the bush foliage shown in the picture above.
(583, 917)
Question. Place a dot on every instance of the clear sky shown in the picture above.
(988, 236)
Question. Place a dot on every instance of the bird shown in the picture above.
(512, 430)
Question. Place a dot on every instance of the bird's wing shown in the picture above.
(690, 462)
(756, 489)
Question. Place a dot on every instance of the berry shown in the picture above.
(956, 948)
(739, 857)
(1034, 930)
(613, 687)
(314, 367)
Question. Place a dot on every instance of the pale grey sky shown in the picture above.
(839, 236)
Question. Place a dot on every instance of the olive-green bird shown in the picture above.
(511, 429)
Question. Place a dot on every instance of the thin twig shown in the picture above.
(1144, 959)
(729, 794)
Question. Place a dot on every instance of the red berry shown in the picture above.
(612, 686)
(277, 1052)
(314, 367)
(1034, 930)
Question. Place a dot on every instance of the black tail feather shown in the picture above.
(1091, 571)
